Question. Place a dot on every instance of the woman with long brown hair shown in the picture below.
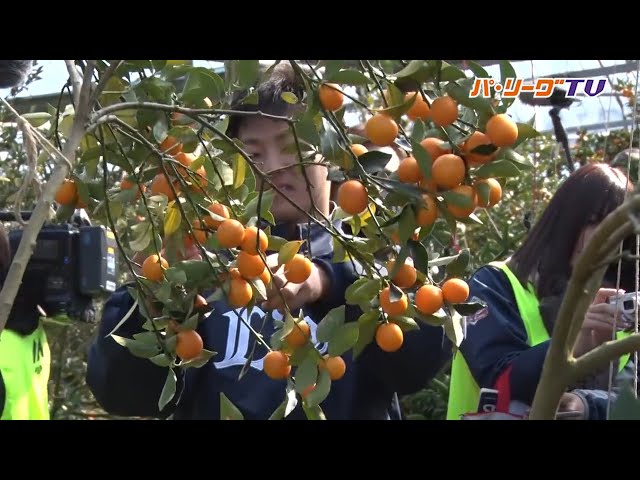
(506, 342)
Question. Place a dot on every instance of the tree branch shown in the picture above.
(602, 355)
(41, 211)
(76, 81)
(174, 108)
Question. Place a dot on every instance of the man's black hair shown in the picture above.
(282, 78)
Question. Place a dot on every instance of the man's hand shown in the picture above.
(296, 295)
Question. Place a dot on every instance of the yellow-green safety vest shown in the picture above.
(464, 392)
(25, 362)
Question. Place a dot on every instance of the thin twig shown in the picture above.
(104, 78)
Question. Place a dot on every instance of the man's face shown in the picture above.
(265, 140)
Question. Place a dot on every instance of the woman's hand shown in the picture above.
(598, 325)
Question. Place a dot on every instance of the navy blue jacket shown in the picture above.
(497, 338)
(126, 385)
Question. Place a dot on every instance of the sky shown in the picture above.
(602, 109)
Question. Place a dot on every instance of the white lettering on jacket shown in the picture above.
(240, 339)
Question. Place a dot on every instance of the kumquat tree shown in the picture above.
(144, 149)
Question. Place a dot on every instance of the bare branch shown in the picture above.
(29, 145)
(76, 81)
(191, 112)
(600, 356)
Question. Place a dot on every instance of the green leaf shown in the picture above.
(451, 73)
(461, 95)
(458, 267)
(466, 309)
(252, 207)
(367, 325)
(506, 71)
(398, 107)
(406, 224)
(200, 361)
(307, 130)
(160, 129)
(306, 373)
(423, 158)
(453, 329)
(148, 338)
(438, 262)
(330, 324)
(456, 199)
(156, 89)
(498, 168)
(278, 413)
(420, 256)
(175, 276)
(484, 191)
(525, 132)
(416, 69)
(432, 320)
(362, 291)
(289, 97)
(514, 156)
(486, 149)
(314, 413)
(37, 119)
(331, 67)
(374, 161)
(161, 360)
(406, 324)
(321, 392)
(343, 339)
(350, 77)
(288, 251)
(276, 243)
(289, 325)
(477, 69)
(202, 83)
(418, 131)
(228, 411)
(195, 270)
(248, 71)
(399, 261)
(169, 390)
(138, 348)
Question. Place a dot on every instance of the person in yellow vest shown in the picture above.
(507, 341)
(25, 358)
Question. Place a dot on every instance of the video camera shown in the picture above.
(71, 265)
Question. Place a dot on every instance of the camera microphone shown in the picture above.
(14, 72)
(557, 99)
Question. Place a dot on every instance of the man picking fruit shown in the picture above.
(251, 376)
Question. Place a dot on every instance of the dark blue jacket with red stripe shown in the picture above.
(497, 338)
(131, 386)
